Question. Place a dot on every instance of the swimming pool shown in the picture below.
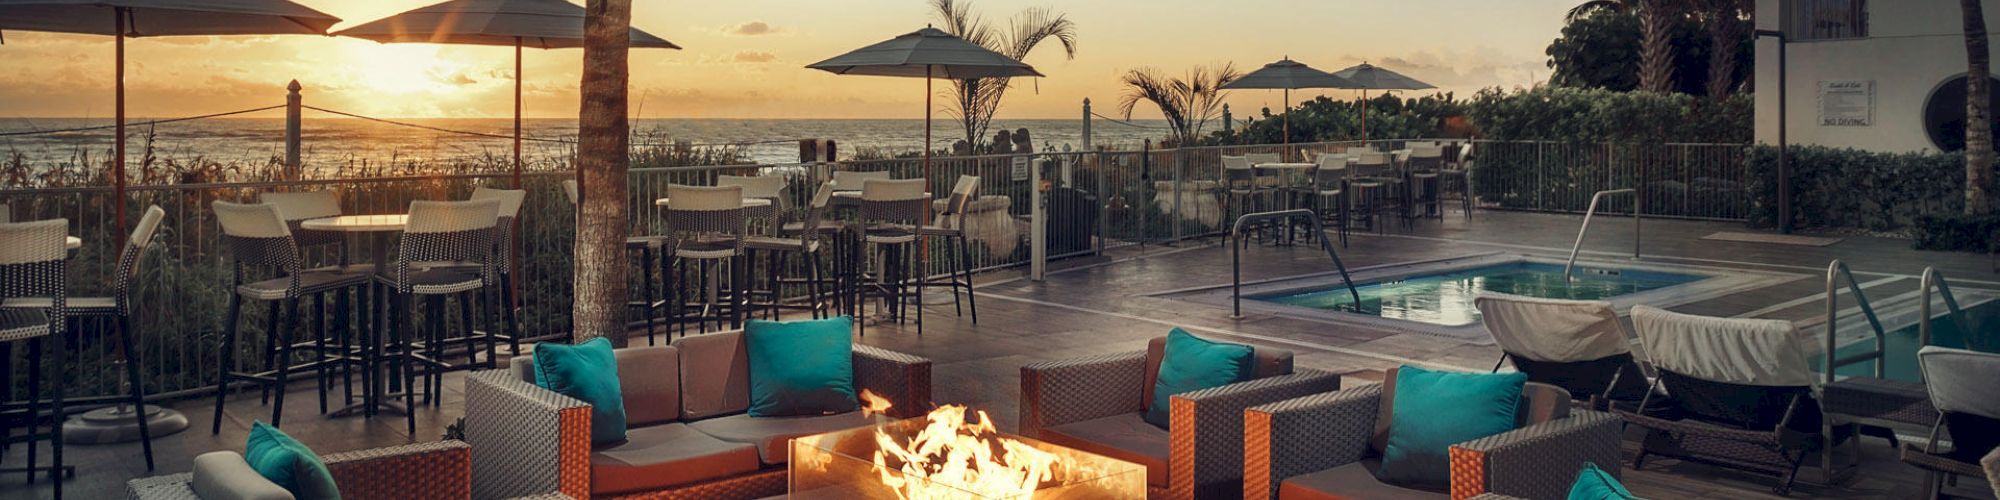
(1445, 298)
(1981, 331)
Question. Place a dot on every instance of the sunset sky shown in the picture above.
(745, 58)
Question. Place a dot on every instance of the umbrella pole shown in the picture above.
(118, 163)
(1287, 140)
(517, 112)
(1364, 117)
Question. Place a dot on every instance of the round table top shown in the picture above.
(358, 223)
(857, 194)
(1287, 165)
(747, 202)
(72, 242)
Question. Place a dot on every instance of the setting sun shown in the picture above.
(405, 69)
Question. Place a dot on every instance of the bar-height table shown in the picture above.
(381, 231)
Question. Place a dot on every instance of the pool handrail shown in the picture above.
(1835, 271)
(1240, 238)
(1585, 228)
(1934, 280)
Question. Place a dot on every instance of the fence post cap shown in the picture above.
(294, 86)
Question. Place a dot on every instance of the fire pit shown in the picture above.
(943, 456)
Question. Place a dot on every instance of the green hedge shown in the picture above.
(1598, 115)
(1955, 232)
(1848, 188)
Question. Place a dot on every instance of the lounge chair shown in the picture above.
(1960, 384)
(438, 469)
(1096, 404)
(1577, 345)
(1743, 395)
(1328, 445)
(687, 434)
(1992, 465)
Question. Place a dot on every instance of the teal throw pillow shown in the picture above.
(1434, 410)
(1597, 484)
(1191, 364)
(288, 463)
(801, 367)
(587, 372)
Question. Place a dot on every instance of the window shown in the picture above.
(1807, 20)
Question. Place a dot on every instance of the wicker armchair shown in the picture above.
(687, 433)
(1095, 404)
(438, 469)
(1325, 445)
(1992, 465)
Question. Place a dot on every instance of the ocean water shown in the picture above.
(342, 140)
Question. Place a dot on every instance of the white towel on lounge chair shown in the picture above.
(1553, 330)
(1761, 352)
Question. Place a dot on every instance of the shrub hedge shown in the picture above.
(1848, 188)
(1598, 115)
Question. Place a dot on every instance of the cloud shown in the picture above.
(752, 28)
(755, 57)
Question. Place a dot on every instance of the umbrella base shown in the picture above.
(115, 425)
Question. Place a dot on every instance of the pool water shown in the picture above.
(1981, 332)
(1446, 298)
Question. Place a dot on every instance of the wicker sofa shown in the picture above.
(687, 434)
(1096, 404)
(1326, 446)
(438, 469)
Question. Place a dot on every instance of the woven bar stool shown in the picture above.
(820, 224)
(1377, 188)
(34, 265)
(258, 239)
(949, 224)
(1329, 195)
(1241, 182)
(892, 210)
(445, 251)
(806, 245)
(1455, 179)
(296, 208)
(1426, 184)
(503, 266)
(708, 227)
(651, 253)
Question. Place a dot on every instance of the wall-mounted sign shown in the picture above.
(1020, 168)
(1846, 103)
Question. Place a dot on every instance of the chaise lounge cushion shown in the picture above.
(1354, 480)
(664, 456)
(771, 434)
(1125, 437)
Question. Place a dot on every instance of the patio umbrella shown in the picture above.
(542, 24)
(926, 53)
(138, 18)
(1369, 77)
(1288, 74)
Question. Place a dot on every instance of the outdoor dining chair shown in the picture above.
(504, 252)
(844, 180)
(804, 244)
(1960, 384)
(455, 232)
(34, 264)
(708, 227)
(891, 211)
(1426, 183)
(949, 225)
(1329, 192)
(1240, 181)
(766, 187)
(296, 208)
(1377, 187)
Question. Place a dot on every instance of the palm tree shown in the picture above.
(1978, 112)
(1584, 9)
(603, 136)
(1188, 103)
(1656, 45)
(977, 99)
(1723, 17)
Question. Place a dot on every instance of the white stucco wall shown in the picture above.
(1912, 47)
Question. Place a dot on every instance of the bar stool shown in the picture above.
(1424, 163)
(764, 220)
(707, 226)
(844, 180)
(891, 211)
(503, 256)
(832, 233)
(258, 238)
(1329, 195)
(34, 265)
(950, 225)
(458, 235)
(650, 252)
(1377, 187)
(1455, 178)
(296, 208)
(1241, 182)
(806, 244)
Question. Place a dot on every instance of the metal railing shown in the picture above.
(1836, 272)
(1934, 280)
(1704, 181)
(1585, 228)
(1239, 238)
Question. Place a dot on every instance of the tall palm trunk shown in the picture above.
(1978, 112)
(1723, 37)
(602, 158)
(1656, 47)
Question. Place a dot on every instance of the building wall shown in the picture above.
(1911, 48)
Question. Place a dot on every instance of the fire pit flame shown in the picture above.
(951, 457)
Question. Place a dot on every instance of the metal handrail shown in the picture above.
(1932, 279)
(1580, 231)
(1240, 238)
(1834, 272)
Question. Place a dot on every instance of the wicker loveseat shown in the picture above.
(1327, 445)
(439, 469)
(1096, 404)
(687, 433)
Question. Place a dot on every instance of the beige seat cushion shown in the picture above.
(1355, 480)
(223, 475)
(664, 456)
(771, 435)
(715, 375)
(1125, 437)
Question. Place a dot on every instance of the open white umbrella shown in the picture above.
(142, 18)
(1369, 77)
(927, 53)
(543, 24)
(1288, 74)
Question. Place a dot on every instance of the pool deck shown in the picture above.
(1108, 304)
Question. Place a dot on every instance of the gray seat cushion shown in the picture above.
(1125, 437)
(664, 456)
(223, 475)
(1355, 480)
(771, 435)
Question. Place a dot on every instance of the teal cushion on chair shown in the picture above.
(1434, 410)
(1597, 484)
(587, 372)
(288, 463)
(1191, 364)
(800, 367)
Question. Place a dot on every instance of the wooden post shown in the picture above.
(292, 104)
